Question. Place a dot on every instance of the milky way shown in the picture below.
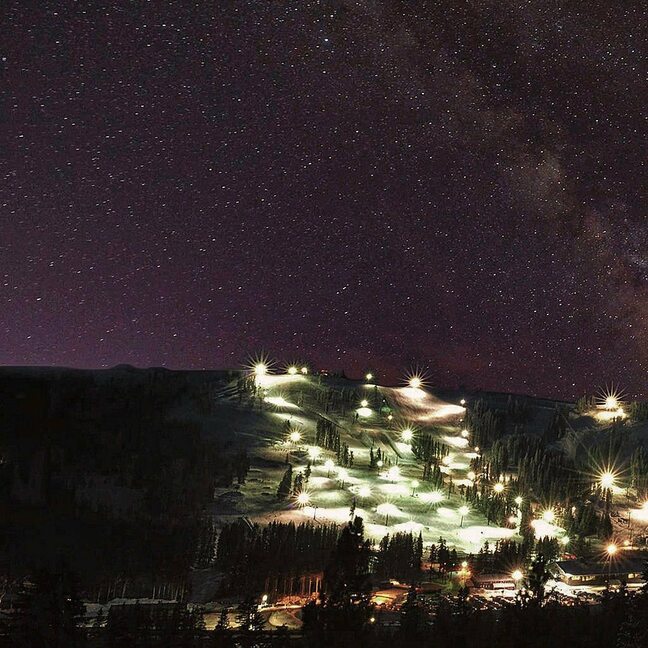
(450, 185)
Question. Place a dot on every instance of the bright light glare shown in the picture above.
(342, 474)
(415, 483)
(260, 369)
(464, 510)
(295, 437)
(407, 435)
(364, 403)
(607, 480)
(548, 516)
(364, 412)
(364, 491)
(304, 370)
(499, 487)
(369, 376)
(610, 404)
(314, 452)
(415, 382)
(292, 371)
(329, 464)
(303, 499)
(465, 433)
(611, 549)
(516, 575)
(518, 500)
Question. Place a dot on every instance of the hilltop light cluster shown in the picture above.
(610, 405)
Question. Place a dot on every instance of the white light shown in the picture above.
(607, 480)
(549, 516)
(294, 437)
(463, 401)
(499, 487)
(364, 403)
(369, 376)
(314, 452)
(292, 371)
(518, 500)
(611, 549)
(447, 460)
(304, 370)
(364, 491)
(342, 474)
(415, 382)
(329, 464)
(464, 510)
(516, 575)
(471, 475)
(465, 434)
(260, 369)
(407, 435)
(303, 498)
(415, 483)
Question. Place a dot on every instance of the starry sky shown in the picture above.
(372, 184)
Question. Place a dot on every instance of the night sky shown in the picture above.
(362, 185)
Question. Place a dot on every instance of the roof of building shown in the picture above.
(492, 578)
(620, 565)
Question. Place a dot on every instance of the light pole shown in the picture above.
(611, 550)
(463, 511)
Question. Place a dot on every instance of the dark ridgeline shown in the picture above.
(106, 475)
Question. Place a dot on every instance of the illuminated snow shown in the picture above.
(408, 527)
(457, 442)
(392, 510)
(477, 535)
(395, 489)
(446, 512)
(543, 529)
(434, 497)
(279, 401)
(267, 381)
